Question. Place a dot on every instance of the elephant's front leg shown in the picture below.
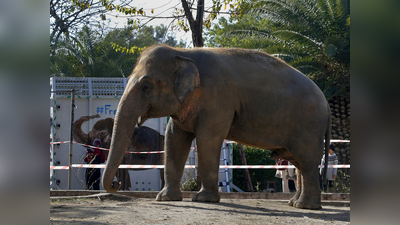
(177, 147)
(209, 149)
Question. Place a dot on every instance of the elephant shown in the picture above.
(101, 130)
(213, 94)
(144, 139)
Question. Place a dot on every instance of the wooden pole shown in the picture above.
(196, 171)
(247, 177)
(123, 176)
(71, 138)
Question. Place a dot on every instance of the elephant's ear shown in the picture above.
(186, 78)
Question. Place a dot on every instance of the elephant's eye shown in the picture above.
(147, 86)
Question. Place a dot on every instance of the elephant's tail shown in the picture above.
(327, 143)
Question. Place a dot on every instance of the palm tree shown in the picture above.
(311, 35)
(90, 54)
(75, 57)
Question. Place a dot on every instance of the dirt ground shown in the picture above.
(119, 209)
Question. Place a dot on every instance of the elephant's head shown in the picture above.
(159, 84)
(101, 130)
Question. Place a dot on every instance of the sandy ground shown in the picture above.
(118, 209)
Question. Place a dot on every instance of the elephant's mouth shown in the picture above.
(141, 120)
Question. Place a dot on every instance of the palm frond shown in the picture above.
(311, 35)
(307, 64)
(71, 51)
(251, 32)
(327, 7)
(289, 35)
(286, 57)
(277, 11)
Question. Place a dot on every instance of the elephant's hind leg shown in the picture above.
(177, 147)
(308, 195)
(298, 189)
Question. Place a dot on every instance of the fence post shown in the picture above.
(71, 138)
(247, 177)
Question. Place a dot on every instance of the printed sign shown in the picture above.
(106, 109)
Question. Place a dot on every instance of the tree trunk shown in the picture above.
(196, 26)
(247, 177)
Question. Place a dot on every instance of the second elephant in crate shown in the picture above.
(144, 139)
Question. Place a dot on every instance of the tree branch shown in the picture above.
(188, 14)
(200, 13)
(152, 17)
(198, 34)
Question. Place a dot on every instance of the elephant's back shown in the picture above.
(250, 79)
(243, 67)
(245, 72)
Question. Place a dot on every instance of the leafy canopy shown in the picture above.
(311, 35)
(91, 54)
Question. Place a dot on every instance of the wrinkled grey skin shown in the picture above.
(222, 93)
(143, 139)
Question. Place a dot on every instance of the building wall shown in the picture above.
(102, 99)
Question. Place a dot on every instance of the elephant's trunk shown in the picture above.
(128, 112)
(78, 134)
(121, 137)
(124, 126)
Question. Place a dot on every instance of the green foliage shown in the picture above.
(254, 156)
(188, 181)
(232, 6)
(311, 35)
(147, 36)
(110, 6)
(92, 54)
(183, 18)
(69, 16)
(226, 33)
(189, 185)
(342, 182)
(131, 50)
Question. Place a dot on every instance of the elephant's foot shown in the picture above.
(168, 194)
(205, 196)
(294, 199)
(308, 203)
